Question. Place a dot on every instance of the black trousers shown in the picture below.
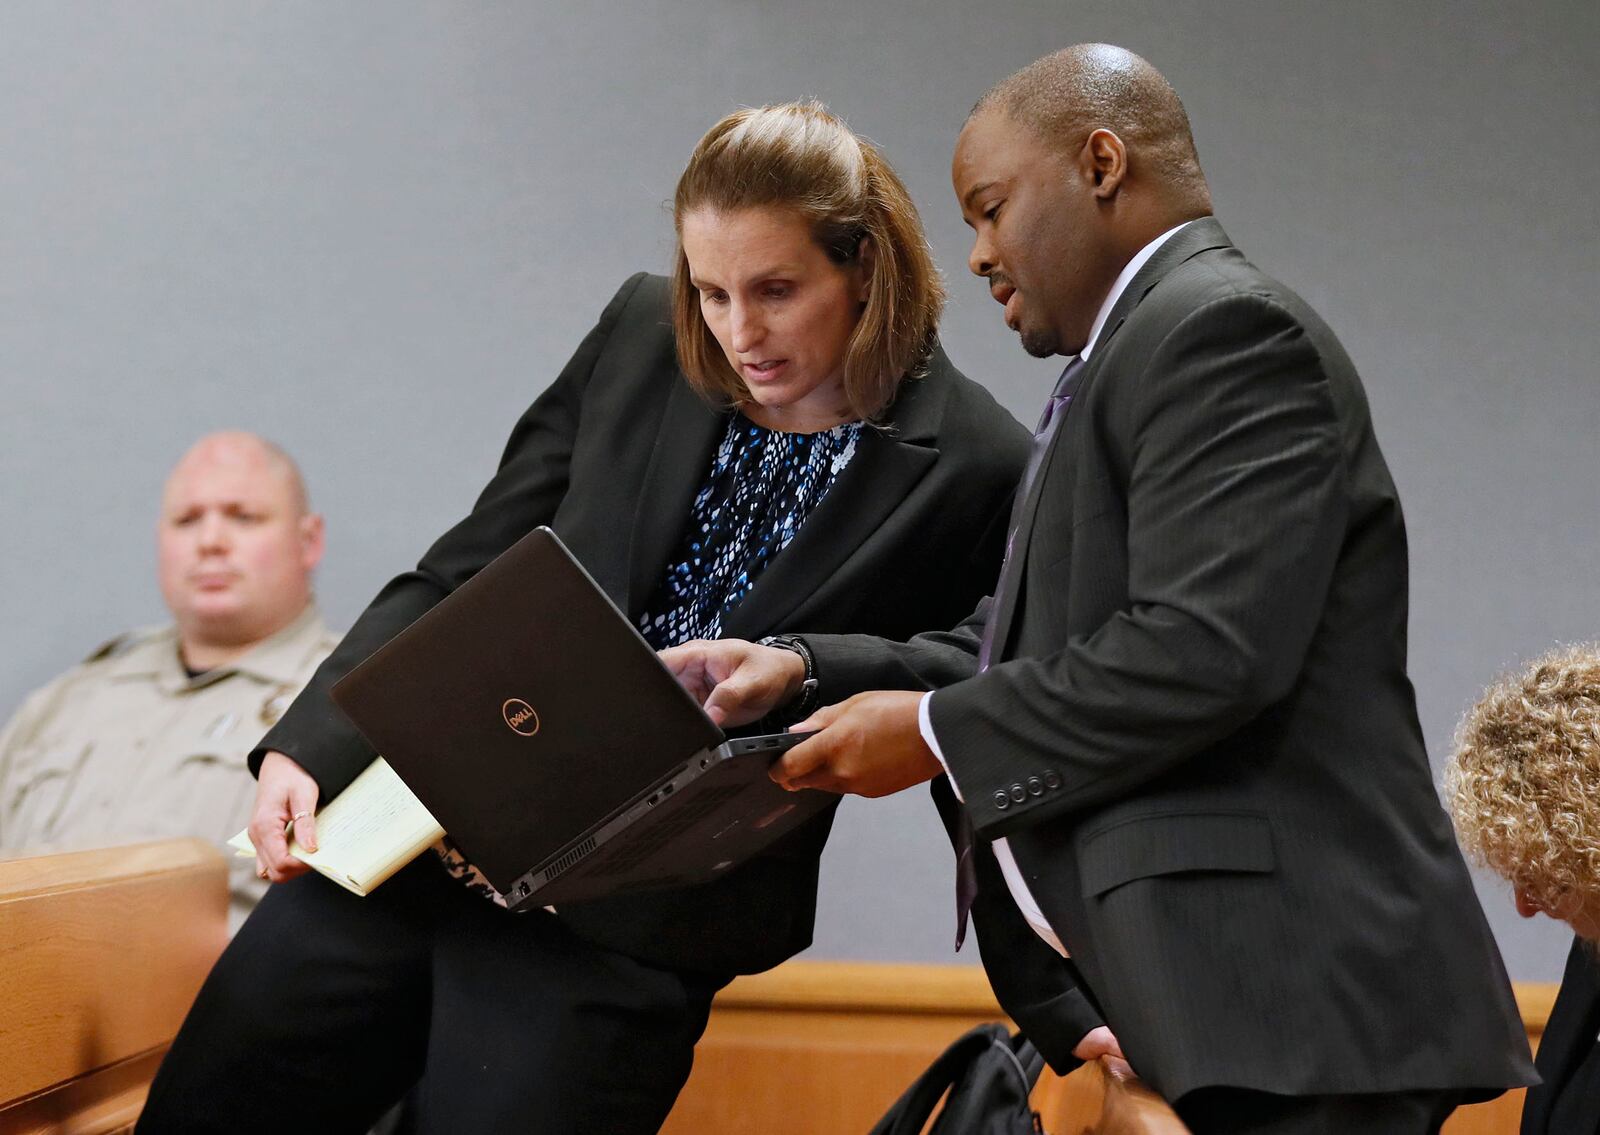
(1237, 1111)
(326, 1007)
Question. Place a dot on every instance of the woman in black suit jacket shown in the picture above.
(771, 440)
(1524, 789)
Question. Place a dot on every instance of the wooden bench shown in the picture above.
(101, 952)
(826, 1047)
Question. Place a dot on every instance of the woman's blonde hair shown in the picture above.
(800, 157)
(1524, 783)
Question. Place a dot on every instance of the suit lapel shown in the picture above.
(1199, 236)
(687, 439)
(888, 463)
(879, 477)
(1022, 522)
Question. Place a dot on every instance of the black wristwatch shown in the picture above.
(799, 708)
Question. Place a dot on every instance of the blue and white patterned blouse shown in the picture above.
(762, 485)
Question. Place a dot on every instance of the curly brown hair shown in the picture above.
(1524, 783)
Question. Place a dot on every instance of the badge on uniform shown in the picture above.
(221, 727)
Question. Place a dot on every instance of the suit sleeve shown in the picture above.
(523, 494)
(850, 664)
(1037, 987)
(1236, 510)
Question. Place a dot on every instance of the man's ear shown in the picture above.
(867, 257)
(313, 540)
(1104, 162)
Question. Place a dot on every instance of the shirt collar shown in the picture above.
(1124, 278)
(279, 658)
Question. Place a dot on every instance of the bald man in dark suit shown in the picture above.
(1192, 787)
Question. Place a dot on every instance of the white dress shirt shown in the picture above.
(1002, 849)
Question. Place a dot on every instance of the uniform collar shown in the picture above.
(278, 659)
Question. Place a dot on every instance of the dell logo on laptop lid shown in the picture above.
(520, 716)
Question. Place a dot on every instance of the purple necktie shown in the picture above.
(1049, 421)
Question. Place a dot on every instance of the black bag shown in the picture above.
(989, 1073)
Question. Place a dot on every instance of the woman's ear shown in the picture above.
(867, 258)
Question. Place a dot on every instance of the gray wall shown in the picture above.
(374, 232)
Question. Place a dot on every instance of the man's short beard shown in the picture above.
(1040, 342)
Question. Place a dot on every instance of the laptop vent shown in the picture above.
(630, 853)
(562, 865)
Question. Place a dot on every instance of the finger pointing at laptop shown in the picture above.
(867, 745)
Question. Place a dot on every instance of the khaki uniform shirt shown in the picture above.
(126, 747)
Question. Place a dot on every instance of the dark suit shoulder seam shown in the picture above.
(1272, 305)
(1235, 288)
(629, 293)
(1235, 298)
(970, 398)
(622, 311)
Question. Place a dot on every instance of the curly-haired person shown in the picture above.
(1524, 790)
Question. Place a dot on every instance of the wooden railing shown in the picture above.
(826, 1047)
(101, 953)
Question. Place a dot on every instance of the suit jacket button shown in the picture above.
(1002, 801)
(1018, 793)
(1035, 786)
(1052, 780)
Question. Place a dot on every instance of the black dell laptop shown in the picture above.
(543, 733)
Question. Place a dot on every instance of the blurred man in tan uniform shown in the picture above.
(147, 737)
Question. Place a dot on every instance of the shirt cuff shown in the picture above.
(925, 727)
